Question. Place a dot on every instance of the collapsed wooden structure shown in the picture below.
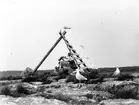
(76, 57)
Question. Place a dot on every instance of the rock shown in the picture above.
(120, 102)
(26, 72)
(36, 83)
(29, 101)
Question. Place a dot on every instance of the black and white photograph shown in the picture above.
(69, 52)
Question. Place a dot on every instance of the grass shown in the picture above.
(19, 91)
(5, 90)
(58, 96)
(62, 97)
(83, 102)
(10, 77)
(39, 78)
(22, 90)
(124, 91)
(125, 76)
(71, 78)
(66, 99)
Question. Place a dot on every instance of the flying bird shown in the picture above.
(66, 27)
(82, 46)
(117, 72)
(87, 57)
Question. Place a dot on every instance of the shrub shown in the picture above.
(43, 77)
(39, 78)
(125, 76)
(62, 73)
(83, 102)
(5, 91)
(30, 79)
(62, 97)
(45, 95)
(47, 81)
(92, 74)
(106, 75)
(71, 78)
(94, 81)
(125, 92)
(122, 90)
(58, 96)
(88, 95)
(21, 90)
(11, 78)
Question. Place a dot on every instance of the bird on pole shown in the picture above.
(66, 27)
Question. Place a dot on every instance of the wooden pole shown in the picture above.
(49, 51)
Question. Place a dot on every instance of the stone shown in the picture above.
(120, 102)
(29, 101)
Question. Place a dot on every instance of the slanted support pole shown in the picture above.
(49, 51)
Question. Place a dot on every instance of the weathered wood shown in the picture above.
(49, 51)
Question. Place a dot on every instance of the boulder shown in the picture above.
(26, 72)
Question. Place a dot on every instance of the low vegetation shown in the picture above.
(19, 91)
(125, 92)
(122, 90)
(39, 78)
(10, 77)
(71, 78)
(125, 76)
(100, 87)
(66, 98)
(5, 90)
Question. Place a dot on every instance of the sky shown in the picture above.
(108, 30)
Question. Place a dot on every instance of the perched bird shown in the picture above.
(66, 27)
(79, 76)
(117, 72)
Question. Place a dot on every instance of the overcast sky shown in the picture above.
(108, 30)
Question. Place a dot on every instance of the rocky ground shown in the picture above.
(110, 92)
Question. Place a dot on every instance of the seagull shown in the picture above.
(79, 76)
(117, 72)
(82, 46)
(66, 27)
